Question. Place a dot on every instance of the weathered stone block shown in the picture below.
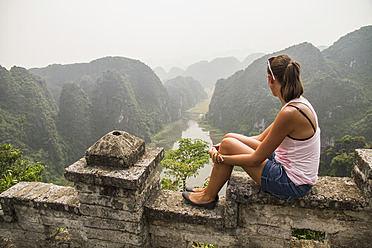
(231, 212)
(178, 232)
(39, 195)
(261, 241)
(118, 225)
(116, 236)
(167, 242)
(130, 178)
(19, 234)
(116, 149)
(362, 173)
(119, 198)
(171, 206)
(109, 213)
(95, 243)
(363, 160)
(329, 192)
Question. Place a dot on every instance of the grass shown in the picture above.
(308, 234)
(169, 134)
(203, 107)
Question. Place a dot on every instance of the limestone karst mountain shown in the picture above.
(337, 81)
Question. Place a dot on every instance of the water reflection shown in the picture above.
(193, 131)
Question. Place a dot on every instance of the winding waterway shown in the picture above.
(193, 131)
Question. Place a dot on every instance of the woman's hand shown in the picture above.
(217, 146)
(213, 153)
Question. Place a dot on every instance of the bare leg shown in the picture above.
(221, 172)
(249, 141)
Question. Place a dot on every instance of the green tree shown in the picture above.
(338, 159)
(184, 162)
(14, 169)
(341, 165)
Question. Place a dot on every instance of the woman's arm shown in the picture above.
(271, 139)
(263, 135)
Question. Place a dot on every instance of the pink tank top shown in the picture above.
(300, 158)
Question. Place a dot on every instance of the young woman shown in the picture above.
(284, 159)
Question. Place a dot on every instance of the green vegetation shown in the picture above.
(28, 114)
(338, 159)
(120, 93)
(184, 162)
(167, 136)
(74, 121)
(94, 98)
(308, 234)
(185, 92)
(123, 93)
(14, 169)
(337, 82)
(203, 245)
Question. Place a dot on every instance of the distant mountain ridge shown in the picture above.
(94, 98)
(207, 73)
(121, 93)
(337, 82)
(186, 92)
(142, 91)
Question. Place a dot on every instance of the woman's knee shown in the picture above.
(230, 135)
(226, 145)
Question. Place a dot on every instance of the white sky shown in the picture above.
(36, 33)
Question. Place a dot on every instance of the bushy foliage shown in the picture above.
(94, 98)
(14, 169)
(28, 114)
(136, 92)
(308, 234)
(184, 162)
(338, 159)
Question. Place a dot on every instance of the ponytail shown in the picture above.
(287, 72)
(292, 87)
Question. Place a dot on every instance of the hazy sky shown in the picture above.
(36, 33)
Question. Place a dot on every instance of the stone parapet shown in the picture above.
(112, 205)
(34, 212)
(362, 172)
(115, 149)
(133, 177)
(335, 193)
(170, 206)
(174, 223)
(39, 195)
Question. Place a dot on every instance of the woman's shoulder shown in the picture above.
(287, 115)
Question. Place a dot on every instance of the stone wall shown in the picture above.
(117, 202)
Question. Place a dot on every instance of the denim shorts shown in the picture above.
(275, 180)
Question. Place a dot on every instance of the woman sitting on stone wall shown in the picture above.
(284, 159)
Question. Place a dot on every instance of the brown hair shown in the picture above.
(287, 72)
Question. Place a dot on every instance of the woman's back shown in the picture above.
(300, 154)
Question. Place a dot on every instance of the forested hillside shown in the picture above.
(53, 114)
(337, 81)
(186, 92)
(27, 121)
(124, 92)
(93, 99)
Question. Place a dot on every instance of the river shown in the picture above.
(193, 131)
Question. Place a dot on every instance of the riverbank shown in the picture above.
(173, 131)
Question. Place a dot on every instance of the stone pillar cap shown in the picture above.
(115, 149)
